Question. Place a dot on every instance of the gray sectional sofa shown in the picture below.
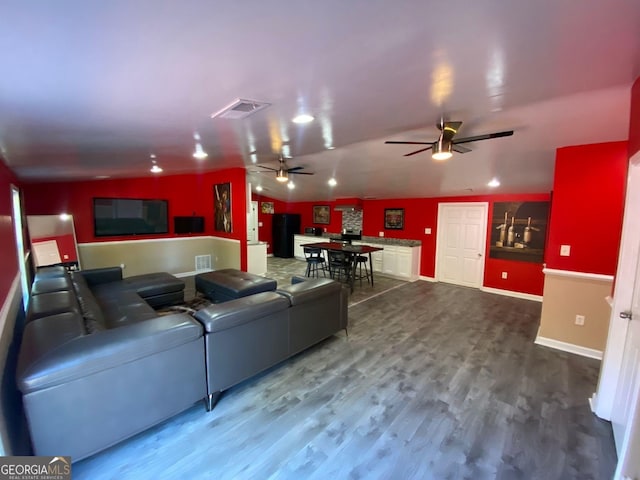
(98, 364)
(250, 334)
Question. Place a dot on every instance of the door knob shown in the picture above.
(626, 315)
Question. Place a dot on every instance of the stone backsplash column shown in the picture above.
(352, 220)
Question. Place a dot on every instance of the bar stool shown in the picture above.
(362, 260)
(315, 262)
(339, 265)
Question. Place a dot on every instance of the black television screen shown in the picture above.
(192, 224)
(129, 216)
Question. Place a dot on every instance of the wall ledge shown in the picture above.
(582, 275)
(163, 239)
(510, 293)
(568, 347)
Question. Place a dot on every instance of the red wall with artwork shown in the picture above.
(187, 195)
(588, 202)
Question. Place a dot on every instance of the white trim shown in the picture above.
(511, 293)
(483, 252)
(427, 279)
(582, 275)
(10, 308)
(568, 347)
(190, 274)
(165, 239)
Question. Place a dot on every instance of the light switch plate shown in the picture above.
(260, 224)
(427, 231)
(381, 234)
(565, 250)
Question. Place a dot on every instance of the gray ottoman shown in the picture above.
(228, 284)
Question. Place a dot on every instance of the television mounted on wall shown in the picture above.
(192, 224)
(129, 216)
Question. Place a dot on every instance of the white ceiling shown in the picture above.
(93, 88)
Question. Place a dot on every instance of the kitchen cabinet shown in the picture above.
(299, 240)
(257, 258)
(396, 261)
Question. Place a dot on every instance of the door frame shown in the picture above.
(439, 248)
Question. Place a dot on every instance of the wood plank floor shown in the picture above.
(433, 381)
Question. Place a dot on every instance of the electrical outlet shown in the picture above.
(504, 275)
(565, 250)
(427, 231)
(122, 266)
(381, 234)
(580, 320)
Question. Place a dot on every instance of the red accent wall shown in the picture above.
(187, 194)
(588, 203)
(634, 123)
(8, 248)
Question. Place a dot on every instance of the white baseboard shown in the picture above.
(509, 293)
(427, 279)
(568, 347)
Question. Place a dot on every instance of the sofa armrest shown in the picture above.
(40, 366)
(96, 276)
(222, 316)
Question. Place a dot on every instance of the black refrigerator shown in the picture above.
(284, 227)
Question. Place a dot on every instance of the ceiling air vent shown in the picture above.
(240, 108)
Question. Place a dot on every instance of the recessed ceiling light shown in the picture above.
(494, 183)
(303, 118)
(290, 186)
(152, 156)
(156, 169)
(258, 188)
(101, 177)
(332, 182)
(331, 148)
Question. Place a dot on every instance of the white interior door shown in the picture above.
(462, 237)
(252, 222)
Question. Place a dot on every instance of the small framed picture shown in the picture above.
(321, 214)
(394, 218)
(267, 207)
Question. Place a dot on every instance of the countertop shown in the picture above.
(401, 242)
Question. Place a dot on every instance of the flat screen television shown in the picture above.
(192, 224)
(129, 216)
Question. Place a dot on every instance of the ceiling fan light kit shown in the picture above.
(441, 150)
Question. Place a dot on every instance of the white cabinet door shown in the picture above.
(376, 259)
(389, 261)
(298, 251)
(404, 262)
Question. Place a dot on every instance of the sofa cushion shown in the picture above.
(51, 284)
(50, 272)
(153, 284)
(230, 314)
(89, 307)
(52, 303)
(229, 283)
(310, 290)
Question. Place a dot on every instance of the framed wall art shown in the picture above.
(394, 218)
(321, 214)
(222, 207)
(267, 207)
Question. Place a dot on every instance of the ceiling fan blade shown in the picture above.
(268, 168)
(460, 149)
(301, 173)
(419, 151)
(488, 136)
(408, 143)
(293, 169)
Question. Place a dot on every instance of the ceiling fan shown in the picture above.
(446, 143)
(283, 171)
